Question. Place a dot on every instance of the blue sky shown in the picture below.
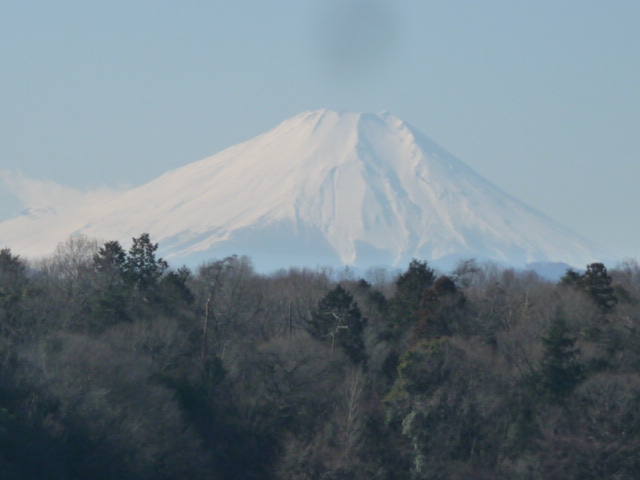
(540, 97)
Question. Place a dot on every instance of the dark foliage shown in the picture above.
(410, 287)
(560, 371)
(113, 366)
(596, 283)
(338, 321)
(14, 285)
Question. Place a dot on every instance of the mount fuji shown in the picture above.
(322, 188)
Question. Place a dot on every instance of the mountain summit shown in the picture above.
(323, 187)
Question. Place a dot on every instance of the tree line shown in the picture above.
(115, 366)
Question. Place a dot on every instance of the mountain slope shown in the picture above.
(321, 187)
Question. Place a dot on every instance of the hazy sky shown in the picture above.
(540, 97)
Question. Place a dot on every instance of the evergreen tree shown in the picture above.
(410, 287)
(597, 284)
(13, 287)
(112, 297)
(175, 289)
(110, 258)
(440, 305)
(571, 278)
(338, 320)
(141, 267)
(560, 371)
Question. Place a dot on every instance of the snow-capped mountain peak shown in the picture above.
(321, 187)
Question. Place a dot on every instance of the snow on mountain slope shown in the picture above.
(323, 187)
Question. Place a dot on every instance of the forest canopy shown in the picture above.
(115, 365)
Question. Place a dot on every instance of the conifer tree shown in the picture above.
(560, 370)
(597, 284)
(111, 257)
(410, 287)
(439, 306)
(13, 286)
(113, 292)
(338, 321)
(142, 268)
